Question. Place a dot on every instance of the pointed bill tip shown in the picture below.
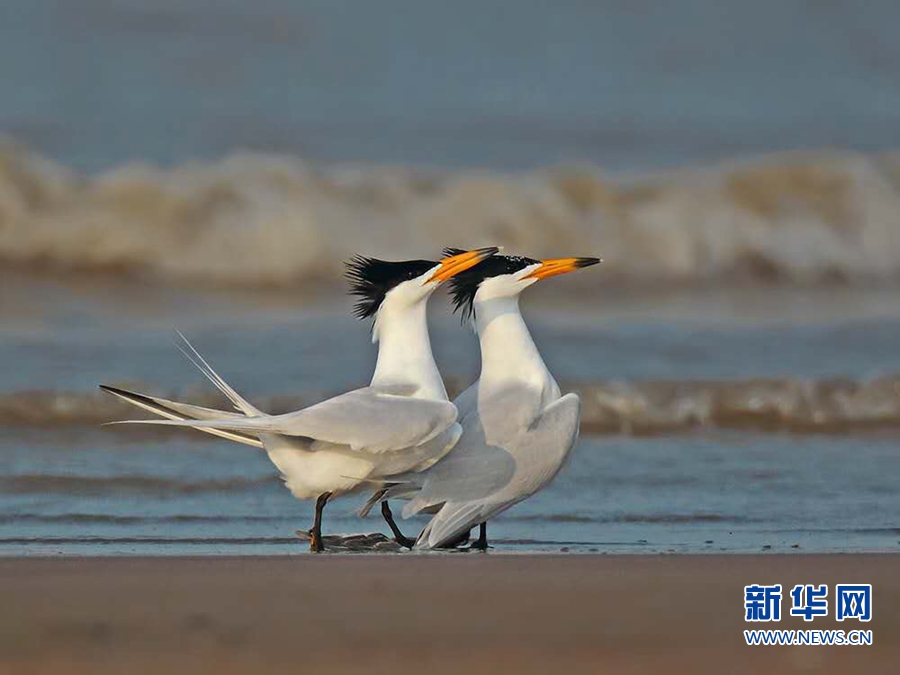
(555, 266)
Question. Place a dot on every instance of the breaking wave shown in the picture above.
(251, 220)
(814, 406)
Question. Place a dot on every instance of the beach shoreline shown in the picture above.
(442, 613)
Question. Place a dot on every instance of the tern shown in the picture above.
(518, 429)
(402, 423)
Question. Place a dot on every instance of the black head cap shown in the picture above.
(465, 284)
(370, 280)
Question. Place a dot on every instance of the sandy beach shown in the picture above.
(441, 613)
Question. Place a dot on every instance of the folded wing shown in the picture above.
(537, 455)
(366, 420)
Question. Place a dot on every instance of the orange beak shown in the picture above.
(550, 268)
(455, 264)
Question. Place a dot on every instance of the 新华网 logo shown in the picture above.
(851, 601)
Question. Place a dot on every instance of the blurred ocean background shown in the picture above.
(631, 86)
(209, 165)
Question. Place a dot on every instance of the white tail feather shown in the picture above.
(238, 401)
(173, 410)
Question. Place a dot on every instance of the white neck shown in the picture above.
(508, 354)
(404, 351)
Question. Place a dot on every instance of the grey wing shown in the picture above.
(477, 467)
(448, 524)
(365, 419)
(544, 448)
(472, 471)
(540, 452)
(372, 420)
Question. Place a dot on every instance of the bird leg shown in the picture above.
(399, 537)
(481, 543)
(315, 533)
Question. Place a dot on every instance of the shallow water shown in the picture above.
(288, 346)
(81, 493)
(692, 486)
(637, 372)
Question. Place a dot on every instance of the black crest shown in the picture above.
(465, 284)
(370, 280)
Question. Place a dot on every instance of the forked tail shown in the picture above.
(184, 412)
(240, 403)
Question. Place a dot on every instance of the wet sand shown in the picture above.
(442, 613)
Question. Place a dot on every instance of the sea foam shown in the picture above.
(262, 220)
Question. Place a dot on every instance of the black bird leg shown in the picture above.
(315, 533)
(399, 537)
(481, 543)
